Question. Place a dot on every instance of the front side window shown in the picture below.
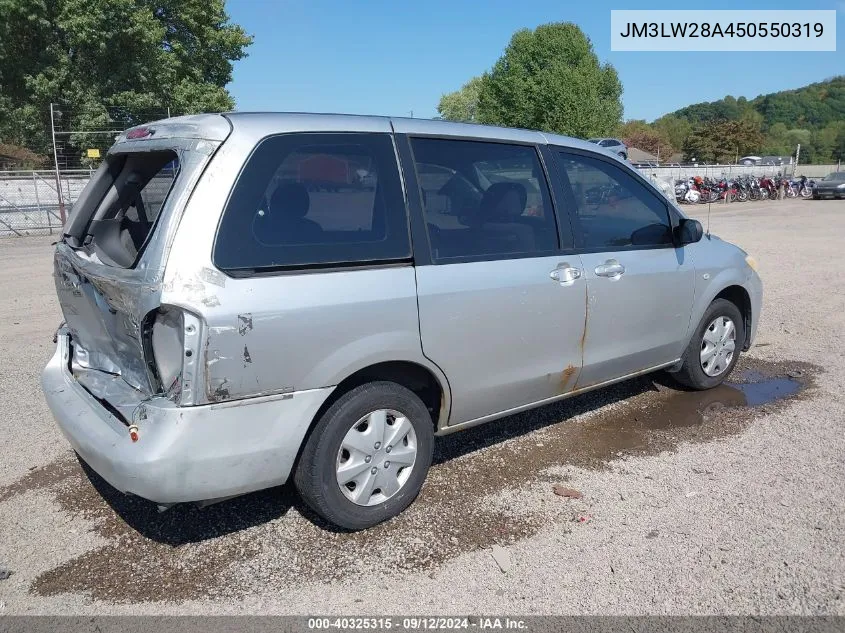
(483, 199)
(613, 210)
(315, 199)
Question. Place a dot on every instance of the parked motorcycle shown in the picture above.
(768, 189)
(685, 191)
(803, 187)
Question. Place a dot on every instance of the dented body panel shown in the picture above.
(182, 453)
(104, 307)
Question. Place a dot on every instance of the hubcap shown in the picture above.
(376, 457)
(718, 346)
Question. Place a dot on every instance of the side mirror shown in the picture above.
(688, 232)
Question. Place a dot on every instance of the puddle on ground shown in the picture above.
(690, 408)
(252, 544)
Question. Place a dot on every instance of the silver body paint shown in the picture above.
(267, 351)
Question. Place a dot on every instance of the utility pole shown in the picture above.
(56, 163)
(797, 154)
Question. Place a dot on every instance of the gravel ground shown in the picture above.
(692, 503)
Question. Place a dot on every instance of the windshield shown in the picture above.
(838, 175)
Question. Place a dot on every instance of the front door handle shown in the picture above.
(565, 274)
(611, 268)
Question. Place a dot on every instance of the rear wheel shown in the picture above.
(367, 458)
(714, 348)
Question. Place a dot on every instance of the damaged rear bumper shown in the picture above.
(182, 453)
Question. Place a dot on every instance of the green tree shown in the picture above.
(461, 105)
(551, 79)
(838, 152)
(98, 55)
(720, 141)
(675, 129)
(632, 126)
(646, 137)
(777, 141)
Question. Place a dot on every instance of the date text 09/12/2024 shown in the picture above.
(416, 623)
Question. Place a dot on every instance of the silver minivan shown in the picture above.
(250, 298)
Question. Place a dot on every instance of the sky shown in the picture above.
(396, 58)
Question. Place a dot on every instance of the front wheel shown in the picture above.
(715, 346)
(367, 458)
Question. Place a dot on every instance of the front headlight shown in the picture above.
(842, 186)
(752, 263)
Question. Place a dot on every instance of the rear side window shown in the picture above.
(315, 199)
(612, 209)
(484, 200)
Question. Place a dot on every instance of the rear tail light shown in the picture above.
(139, 132)
(168, 346)
(171, 348)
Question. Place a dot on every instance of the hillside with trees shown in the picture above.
(772, 124)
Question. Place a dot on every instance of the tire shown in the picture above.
(692, 374)
(316, 476)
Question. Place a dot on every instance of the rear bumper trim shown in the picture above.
(183, 453)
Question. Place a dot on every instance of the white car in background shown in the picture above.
(613, 145)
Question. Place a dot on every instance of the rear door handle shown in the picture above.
(611, 268)
(565, 274)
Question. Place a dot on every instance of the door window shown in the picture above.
(315, 199)
(483, 200)
(612, 209)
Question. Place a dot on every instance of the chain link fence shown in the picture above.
(35, 202)
(81, 136)
(30, 200)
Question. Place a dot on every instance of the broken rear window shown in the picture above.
(131, 203)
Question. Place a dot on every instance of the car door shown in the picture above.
(640, 287)
(501, 304)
